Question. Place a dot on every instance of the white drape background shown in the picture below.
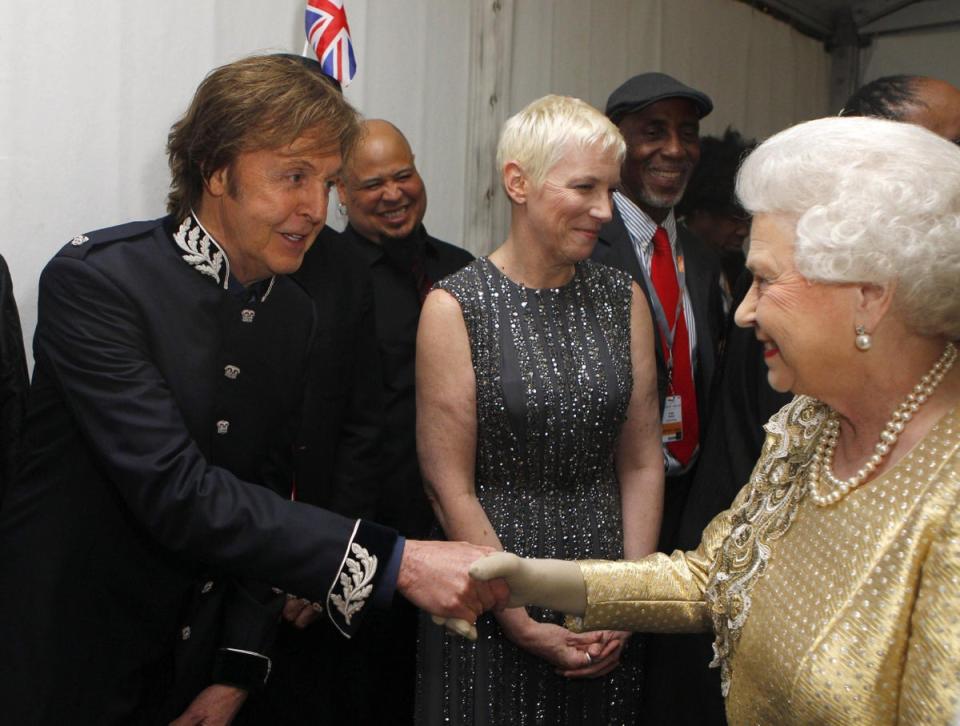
(761, 74)
(89, 88)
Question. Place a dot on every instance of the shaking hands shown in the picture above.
(434, 577)
(505, 580)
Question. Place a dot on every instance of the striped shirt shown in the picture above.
(641, 228)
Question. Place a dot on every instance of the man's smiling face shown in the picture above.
(381, 187)
(663, 147)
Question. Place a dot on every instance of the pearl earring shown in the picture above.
(863, 340)
(342, 209)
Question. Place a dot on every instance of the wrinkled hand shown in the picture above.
(434, 577)
(554, 584)
(605, 652)
(217, 705)
(558, 585)
(566, 651)
(300, 612)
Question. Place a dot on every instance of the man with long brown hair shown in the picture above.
(150, 538)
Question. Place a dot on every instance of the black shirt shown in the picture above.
(402, 503)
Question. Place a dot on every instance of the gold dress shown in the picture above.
(847, 614)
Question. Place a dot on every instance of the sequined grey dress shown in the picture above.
(553, 383)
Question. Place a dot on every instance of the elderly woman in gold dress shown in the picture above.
(833, 581)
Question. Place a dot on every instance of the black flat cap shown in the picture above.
(640, 91)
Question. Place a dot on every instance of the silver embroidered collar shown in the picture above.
(204, 254)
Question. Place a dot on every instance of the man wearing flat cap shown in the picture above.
(659, 118)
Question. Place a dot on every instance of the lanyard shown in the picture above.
(659, 315)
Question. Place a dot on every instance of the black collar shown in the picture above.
(373, 252)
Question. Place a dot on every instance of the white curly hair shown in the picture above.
(875, 201)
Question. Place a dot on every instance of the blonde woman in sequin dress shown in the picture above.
(537, 427)
(833, 581)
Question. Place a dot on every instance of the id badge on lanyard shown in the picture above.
(672, 422)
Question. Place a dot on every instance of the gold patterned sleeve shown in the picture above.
(660, 593)
(930, 690)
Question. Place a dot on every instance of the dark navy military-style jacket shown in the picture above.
(151, 519)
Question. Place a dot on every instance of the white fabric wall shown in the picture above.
(89, 88)
(761, 74)
(933, 52)
(88, 91)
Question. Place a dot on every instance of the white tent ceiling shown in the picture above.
(851, 29)
(825, 19)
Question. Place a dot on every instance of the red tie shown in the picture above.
(663, 274)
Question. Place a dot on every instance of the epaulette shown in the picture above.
(82, 243)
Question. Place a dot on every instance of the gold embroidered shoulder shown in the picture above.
(762, 515)
(843, 615)
(710, 587)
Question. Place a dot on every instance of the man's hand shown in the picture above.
(300, 612)
(217, 705)
(434, 577)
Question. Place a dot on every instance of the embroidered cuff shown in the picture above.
(383, 592)
(241, 668)
(362, 566)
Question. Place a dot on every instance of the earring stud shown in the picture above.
(863, 341)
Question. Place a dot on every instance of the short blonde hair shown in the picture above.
(876, 201)
(537, 137)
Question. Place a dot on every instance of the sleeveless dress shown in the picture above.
(554, 378)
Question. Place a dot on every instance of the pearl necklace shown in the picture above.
(821, 465)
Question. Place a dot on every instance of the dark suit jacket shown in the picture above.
(145, 527)
(614, 248)
(743, 402)
(338, 462)
(702, 280)
(402, 503)
(13, 380)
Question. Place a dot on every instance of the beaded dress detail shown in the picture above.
(554, 378)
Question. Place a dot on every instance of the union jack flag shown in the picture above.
(329, 34)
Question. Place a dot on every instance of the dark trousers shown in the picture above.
(675, 491)
(320, 677)
(678, 687)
